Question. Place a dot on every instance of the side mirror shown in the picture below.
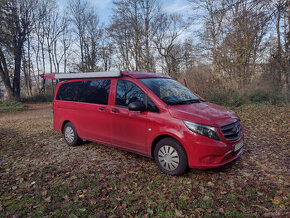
(137, 106)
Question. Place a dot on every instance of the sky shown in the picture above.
(105, 7)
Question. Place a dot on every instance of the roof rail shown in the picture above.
(81, 75)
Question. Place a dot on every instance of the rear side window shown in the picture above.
(127, 92)
(93, 91)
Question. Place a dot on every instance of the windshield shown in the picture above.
(170, 91)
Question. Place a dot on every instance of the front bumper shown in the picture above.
(231, 156)
(204, 153)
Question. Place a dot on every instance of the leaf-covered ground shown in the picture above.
(41, 176)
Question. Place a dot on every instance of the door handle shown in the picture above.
(102, 109)
(115, 111)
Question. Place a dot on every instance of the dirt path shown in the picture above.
(32, 111)
(40, 175)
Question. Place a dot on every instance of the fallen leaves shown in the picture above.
(221, 210)
(44, 193)
(93, 202)
(73, 177)
(178, 213)
(206, 198)
(48, 199)
(82, 196)
(41, 176)
(210, 184)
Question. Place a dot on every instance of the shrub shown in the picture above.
(10, 106)
(38, 98)
(231, 98)
(278, 99)
(234, 99)
(260, 96)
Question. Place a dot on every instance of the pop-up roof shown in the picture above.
(80, 75)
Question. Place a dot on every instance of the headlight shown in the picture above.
(207, 131)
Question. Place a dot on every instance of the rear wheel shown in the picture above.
(170, 157)
(70, 135)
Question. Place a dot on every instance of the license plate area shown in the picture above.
(239, 146)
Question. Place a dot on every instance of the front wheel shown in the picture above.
(70, 135)
(170, 157)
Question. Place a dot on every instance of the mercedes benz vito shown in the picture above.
(149, 114)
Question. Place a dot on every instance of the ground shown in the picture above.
(41, 176)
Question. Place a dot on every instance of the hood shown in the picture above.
(204, 113)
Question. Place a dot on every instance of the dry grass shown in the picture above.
(41, 176)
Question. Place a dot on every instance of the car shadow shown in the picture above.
(222, 169)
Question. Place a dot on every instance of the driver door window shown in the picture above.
(127, 92)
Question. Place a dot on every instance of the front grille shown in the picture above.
(232, 131)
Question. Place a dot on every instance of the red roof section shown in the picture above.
(48, 76)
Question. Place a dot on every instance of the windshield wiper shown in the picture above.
(190, 101)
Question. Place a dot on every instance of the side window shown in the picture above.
(68, 92)
(93, 91)
(128, 92)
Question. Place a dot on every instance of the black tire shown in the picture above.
(167, 150)
(70, 135)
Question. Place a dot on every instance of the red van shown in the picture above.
(149, 114)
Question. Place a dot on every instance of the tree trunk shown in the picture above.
(288, 49)
(17, 69)
(214, 61)
(7, 83)
(82, 55)
(37, 58)
(4, 73)
(147, 58)
(43, 64)
(29, 65)
(279, 48)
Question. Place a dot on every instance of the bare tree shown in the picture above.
(92, 41)
(78, 10)
(233, 31)
(127, 16)
(278, 66)
(133, 27)
(59, 41)
(26, 68)
(149, 15)
(237, 55)
(89, 33)
(166, 41)
(106, 53)
(66, 43)
(188, 54)
(42, 30)
(121, 36)
(16, 23)
(213, 14)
